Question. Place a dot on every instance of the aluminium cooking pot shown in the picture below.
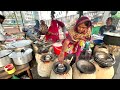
(23, 57)
(4, 58)
(112, 38)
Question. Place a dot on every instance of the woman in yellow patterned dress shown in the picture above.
(76, 38)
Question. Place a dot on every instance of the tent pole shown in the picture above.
(16, 20)
(22, 19)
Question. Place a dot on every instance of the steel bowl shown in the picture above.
(45, 58)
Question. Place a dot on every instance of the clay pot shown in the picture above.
(61, 72)
(79, 75)
(104, 59)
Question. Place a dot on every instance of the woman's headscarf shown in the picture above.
(80, 21)
(42, 22)
(75, 28)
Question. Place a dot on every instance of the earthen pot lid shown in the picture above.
(85, 67)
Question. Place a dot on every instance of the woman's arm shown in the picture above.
(61, 55)
(62, 25)
(78, 53)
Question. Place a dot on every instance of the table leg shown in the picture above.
(29, 74)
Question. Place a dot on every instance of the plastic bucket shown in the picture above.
(57, 50)
(57, 47)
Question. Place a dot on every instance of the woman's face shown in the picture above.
(82, 28)
(42, 22)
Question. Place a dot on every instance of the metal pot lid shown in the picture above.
(61, 70)
(5, 53)
(20, 54)
(18, 44)
(85, 67)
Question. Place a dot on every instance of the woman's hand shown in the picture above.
(76, 36)
(61, 57)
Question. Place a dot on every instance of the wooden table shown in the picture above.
(19, 69)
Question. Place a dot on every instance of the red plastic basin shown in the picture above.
(57, 50)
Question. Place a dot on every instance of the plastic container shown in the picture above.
(10, 69)
(57, 47)
(98, 41)
(57, 50)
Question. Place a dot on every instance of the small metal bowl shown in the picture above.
(45, 58)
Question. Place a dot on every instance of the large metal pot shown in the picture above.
(4, 58)
(112, 38)
(19, 45)
(23, 57)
